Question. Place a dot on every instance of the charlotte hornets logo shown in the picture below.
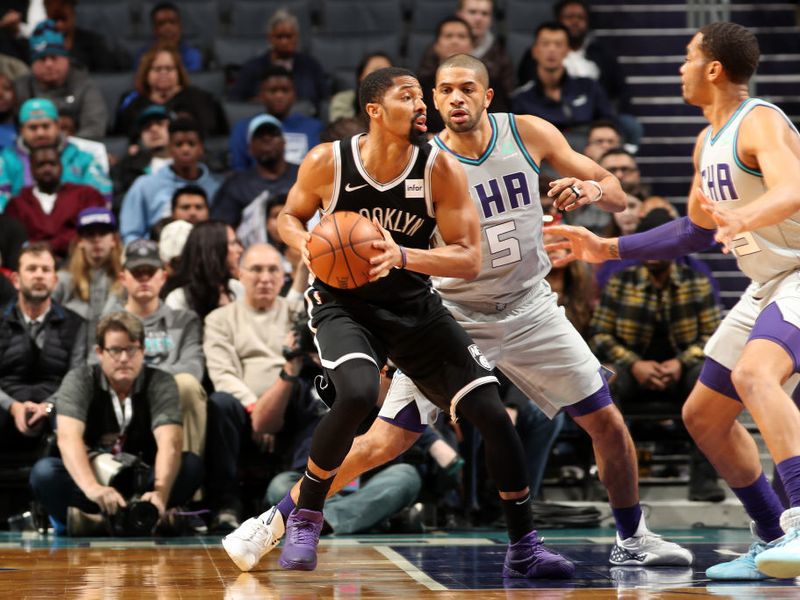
(479, 357)
(719, 182)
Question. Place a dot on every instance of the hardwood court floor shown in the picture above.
(441, 566)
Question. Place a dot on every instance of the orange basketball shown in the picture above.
(340, 249)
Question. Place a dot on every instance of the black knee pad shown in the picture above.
(356, 384)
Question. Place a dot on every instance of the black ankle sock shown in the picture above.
(519, 517)
(313, 491)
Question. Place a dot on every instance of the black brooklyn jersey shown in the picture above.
(403, 206)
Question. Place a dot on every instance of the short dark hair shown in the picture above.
(734, 46)
(562, 4)
(71, 3)
(466, 61)
(600, 123)
(454, 19)
(550, 26)
(187, 190)
(619, 152)
(38, 150)
(374, 86)
(276, 71)
(276, 200)
(343, 127)
(461, 3)
(35, 248)
(159, 6)
(123, 322)
(186, 125)
(362, 64)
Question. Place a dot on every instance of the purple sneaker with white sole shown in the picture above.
(302, 536)
(530, 559)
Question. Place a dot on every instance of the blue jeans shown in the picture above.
(54, 488)
(383, 495)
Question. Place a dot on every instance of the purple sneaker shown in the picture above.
(302, 536)
(529, 558)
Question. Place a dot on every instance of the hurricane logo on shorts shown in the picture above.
(479, 357)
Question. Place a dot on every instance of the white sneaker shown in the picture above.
(254, 538)
(782, 558)
(647, 549)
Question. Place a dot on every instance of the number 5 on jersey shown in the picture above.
(745, 244)
(503, 248)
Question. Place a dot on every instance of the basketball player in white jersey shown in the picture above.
(746, 194)
(509, 310)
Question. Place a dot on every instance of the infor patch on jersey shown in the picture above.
(415, 188)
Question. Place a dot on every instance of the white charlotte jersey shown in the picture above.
(504, 184)
(765, 255)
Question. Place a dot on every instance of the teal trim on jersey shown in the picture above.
(473, 161)
(736, 137)
(739, 163)
(714, 138)
(513, 123)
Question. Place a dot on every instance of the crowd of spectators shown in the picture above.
(151, 310)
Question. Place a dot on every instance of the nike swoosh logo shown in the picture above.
(353, 188)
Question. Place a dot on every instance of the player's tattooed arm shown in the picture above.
(581, 244)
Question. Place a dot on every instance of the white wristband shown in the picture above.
(599, 189)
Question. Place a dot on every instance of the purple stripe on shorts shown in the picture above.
(713, 375)
(594, 402)
(771, 326)
(408, 418)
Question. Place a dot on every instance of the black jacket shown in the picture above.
(28, 372)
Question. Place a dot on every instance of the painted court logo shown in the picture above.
(479, 357)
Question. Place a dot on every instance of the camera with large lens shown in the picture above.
(128, 474)
(304, 339)
(138, 519)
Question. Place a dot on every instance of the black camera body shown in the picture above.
(128, 474)
(138, 519)
(304, 339)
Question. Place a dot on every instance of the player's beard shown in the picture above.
(467, 125)
(415, 136)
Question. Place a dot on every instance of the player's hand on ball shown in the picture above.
(389, 258)
(304, 252)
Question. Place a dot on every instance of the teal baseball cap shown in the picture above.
(37, 108)
(263, 120)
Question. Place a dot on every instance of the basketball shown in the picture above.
(341, 247)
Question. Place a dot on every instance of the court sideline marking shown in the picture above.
(401, 563)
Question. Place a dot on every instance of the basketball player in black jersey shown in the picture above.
(410, 188)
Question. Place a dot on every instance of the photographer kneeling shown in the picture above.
(122, 408)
